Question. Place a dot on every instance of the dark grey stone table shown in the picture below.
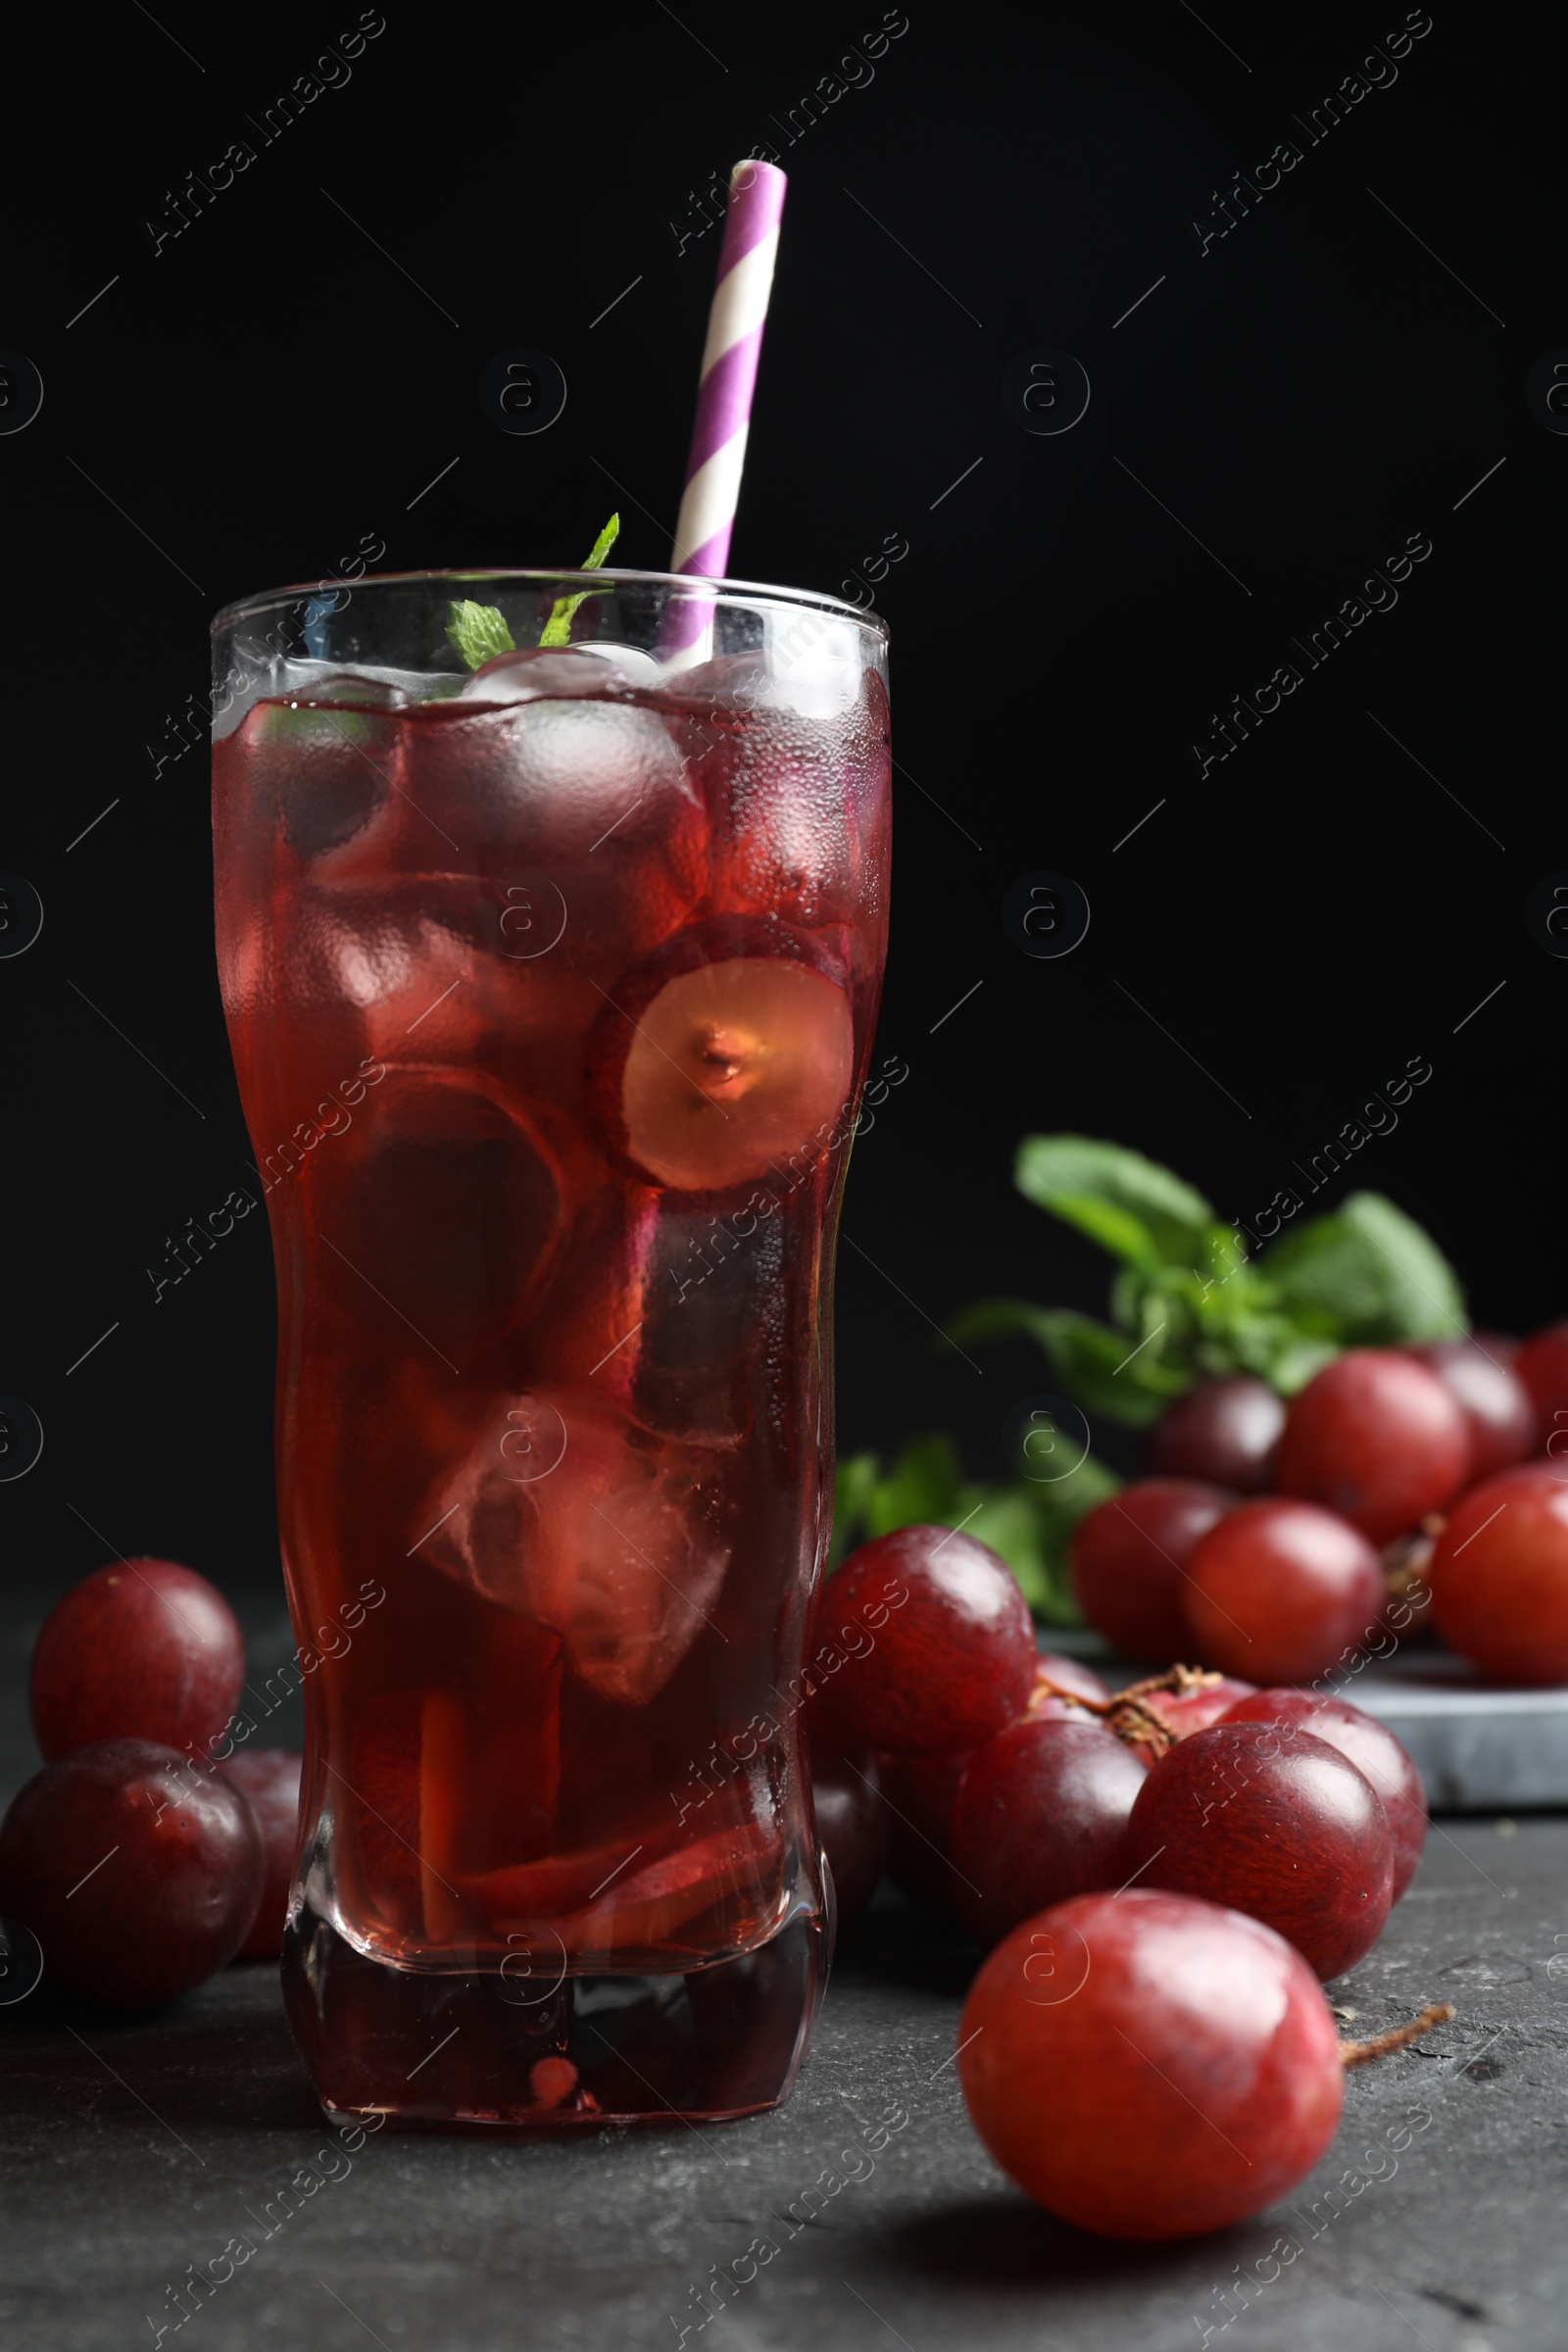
(134, 2151)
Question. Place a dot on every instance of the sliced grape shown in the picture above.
(321, 774)
(645, 1905)
(730, 1053)
(440, 1194)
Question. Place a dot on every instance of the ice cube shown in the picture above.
(441, 967)
(572, 1513)
(788, 820)
(817, 669)
(814, 669)
(259, 678)
(630, 1560)
(534, 671)
(567, 777)
(728, 682)
(360, 689)
(404, 952)
(631, 666)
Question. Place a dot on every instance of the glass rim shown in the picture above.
(269, 600)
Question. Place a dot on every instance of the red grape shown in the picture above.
(1129, 1561)
(1378, 1438)
(1276, 1824)
(268, 1780)
(1541, 1363)
(142, 1649)
(919, 1793)
(138, 1871)
(923, 1645)
(1371, 1747)
(1187, 1711)
(1148, 2066)
(852, 1822)
(1279, 1590)
(1496, 1405)
(1499, 1575)
(1041, 1814)
(1224, 1431)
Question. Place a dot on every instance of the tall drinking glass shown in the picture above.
(551, 986)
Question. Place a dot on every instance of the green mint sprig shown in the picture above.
(558, 628)
(1189, 1300)
(480, 632)
(1028, 1519)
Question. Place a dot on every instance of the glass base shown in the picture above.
(492, 2052)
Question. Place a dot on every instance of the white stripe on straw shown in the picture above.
(724, 390)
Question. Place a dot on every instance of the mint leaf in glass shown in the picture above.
(478, 632)
(558, 628)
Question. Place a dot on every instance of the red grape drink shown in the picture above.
(551, 977)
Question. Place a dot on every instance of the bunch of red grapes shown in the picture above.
(1280, 1541)
(137, 1864)
(1165, 1875)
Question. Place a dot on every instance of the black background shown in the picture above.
(279, 380)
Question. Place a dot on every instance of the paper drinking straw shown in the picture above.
(724, 388)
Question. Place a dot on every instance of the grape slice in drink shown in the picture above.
(722, 1058)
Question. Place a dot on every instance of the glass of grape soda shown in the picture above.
(551, 962)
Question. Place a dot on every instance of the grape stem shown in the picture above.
(1405, 1561)
(1125, 1713)
(1398, 2038)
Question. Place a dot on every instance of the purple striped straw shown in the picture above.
(724, 390)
